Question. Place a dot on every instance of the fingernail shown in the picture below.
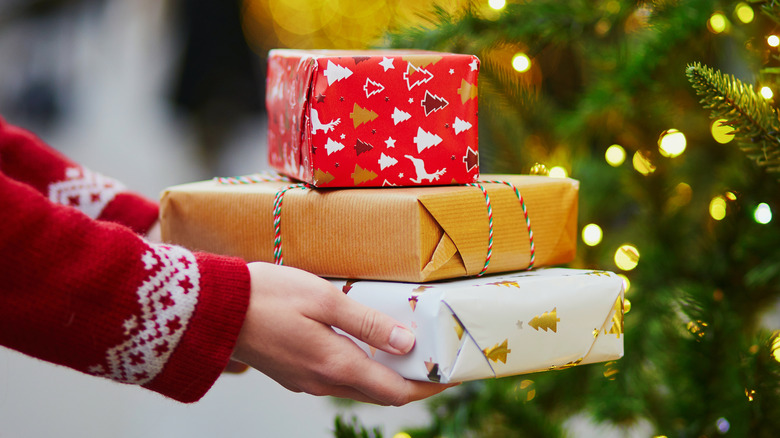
(401, 339)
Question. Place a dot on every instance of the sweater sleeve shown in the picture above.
(96, 297)
(26, 158)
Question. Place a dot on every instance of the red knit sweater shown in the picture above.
(79, 287)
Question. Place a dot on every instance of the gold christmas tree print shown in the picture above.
(360, 115)
(321, 177)
(547, 320)
(422, 61)
(466, 91)
(505, 283)
(617, 319)
(361, 175)
(599, 273)
(498, 352)
(571, 364)
(459, 329)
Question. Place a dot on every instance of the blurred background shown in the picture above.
(157, 93)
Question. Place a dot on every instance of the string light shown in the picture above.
(775, 349)
(558, 172)
(718, 208)
(721, 131)
(773, 40)
(717, 23)
(671, 143)
(763, 213)
(498, 4)
(627, 257)
(626, 282)
(744, 12)
(521, 62)
(592, 234)
(615, 155)
(642, 163)
(767, 93)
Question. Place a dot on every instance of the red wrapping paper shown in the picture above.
(373, 118)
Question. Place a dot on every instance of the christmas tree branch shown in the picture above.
(754, 120)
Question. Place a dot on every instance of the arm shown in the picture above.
(26, 158)
(95, 297)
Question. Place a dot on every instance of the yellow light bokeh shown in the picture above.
(671, 143)
(402, 435)
(626, 282)
(642, 163)
(773, 40)
(731, 196)
(615, 155)
(718, 208)
(763, 213)
(558, 172)
(776, 346)
(717, 23)
(592, 234)
(499, 4)
(767, 93)
(721, 131)
(521, 62)
(744, 12)
(626, 305)
(627, 257)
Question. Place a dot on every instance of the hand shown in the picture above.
(287, 335)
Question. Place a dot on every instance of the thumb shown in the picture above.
(369, 325)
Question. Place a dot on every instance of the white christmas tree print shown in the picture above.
(333, 146)
(400, 116)
(371, 88)
(335, 72)
(386, 161)
(461, 125)
(425, 139)
(416, 76)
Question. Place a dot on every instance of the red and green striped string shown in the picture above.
(279, 197)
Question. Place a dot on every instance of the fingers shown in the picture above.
(369, 325)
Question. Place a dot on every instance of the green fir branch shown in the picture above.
(754, 120)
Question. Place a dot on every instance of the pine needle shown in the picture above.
(754, 120)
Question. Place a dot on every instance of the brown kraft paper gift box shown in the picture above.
(416, 234)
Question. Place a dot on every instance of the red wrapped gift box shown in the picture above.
(373, 118)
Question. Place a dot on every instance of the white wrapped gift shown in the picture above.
(500, 325)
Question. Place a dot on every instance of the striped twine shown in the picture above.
(250, 179)
(277, 209)
(527, 220)
(490, 226)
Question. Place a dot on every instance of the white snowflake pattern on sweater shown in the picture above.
(167, 299)
(85, 190)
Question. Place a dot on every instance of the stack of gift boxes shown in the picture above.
(378, 188)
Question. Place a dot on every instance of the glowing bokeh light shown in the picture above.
(731, 196)
(773, 40)
(626, 282)
(718, 208)
(592, 234)
(763, 213)
(627, 257)
(521, 62)
(558, 172)
(744, 12)
(671, 143)
(642, 163)
(717, 23)
(626, 305)
(402, 435)
(615, 155)
(499, 4)
(723, 425)
(767, 93)
(776, 346)
(721, 132)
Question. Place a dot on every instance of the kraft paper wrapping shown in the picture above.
(500, 325)
(397, 234)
